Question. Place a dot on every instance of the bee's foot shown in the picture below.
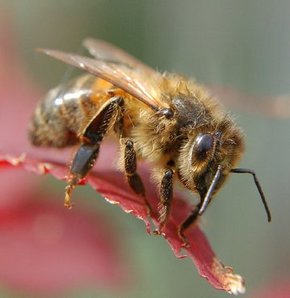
(67, 199)
(68, 205)
(185, 242)
(157, 232)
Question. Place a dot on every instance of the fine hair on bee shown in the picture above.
(166, 119)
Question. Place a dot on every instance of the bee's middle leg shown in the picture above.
(166, 196)
(88, 152)
(132, 176)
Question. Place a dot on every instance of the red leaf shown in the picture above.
(111, 185)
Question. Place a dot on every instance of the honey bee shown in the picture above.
(165, 119)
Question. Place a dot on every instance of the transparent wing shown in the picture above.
(104, 50)
(133, 81)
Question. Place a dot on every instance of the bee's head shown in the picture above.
(207, 152)
(207, 149)
(208, 156)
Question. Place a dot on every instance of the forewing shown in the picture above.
(104, 50)
(132, 81)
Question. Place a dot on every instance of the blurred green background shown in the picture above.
(244, 45)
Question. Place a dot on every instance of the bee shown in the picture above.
(168, 120)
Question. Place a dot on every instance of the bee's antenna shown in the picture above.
(210, 190)
(247, 171)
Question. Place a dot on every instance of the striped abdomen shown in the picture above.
(61, 116)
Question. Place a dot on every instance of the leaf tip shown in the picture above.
(231, 282)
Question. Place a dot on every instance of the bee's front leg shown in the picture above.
(191, 219)
(87, 154)
(166, 195)
(134, 180)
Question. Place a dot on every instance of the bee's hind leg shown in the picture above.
(87, 154)
(130, 164)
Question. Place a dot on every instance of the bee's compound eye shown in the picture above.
(203, 145)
